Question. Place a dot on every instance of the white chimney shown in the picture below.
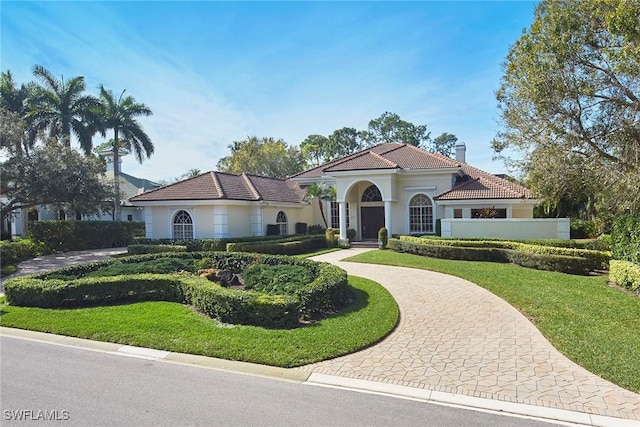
(461, 152)
(108, 158)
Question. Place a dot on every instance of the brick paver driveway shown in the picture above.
(459, 338)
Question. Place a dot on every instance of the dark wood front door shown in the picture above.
(372, 221)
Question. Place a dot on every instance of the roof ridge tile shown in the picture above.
(216, 184)
(251, 187)
(381, 157)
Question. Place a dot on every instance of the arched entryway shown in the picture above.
(371, 212)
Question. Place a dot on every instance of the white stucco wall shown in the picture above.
(239, 221)
(547, 228)
(203, 222)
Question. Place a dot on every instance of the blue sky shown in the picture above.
(215, 72)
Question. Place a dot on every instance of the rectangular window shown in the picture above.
(489, 213)
(335, 215)
(457, 213)
(420, 219)
(183, 231)
(129, 217)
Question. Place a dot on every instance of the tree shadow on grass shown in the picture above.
(358, 300)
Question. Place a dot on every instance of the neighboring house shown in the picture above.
(397, 186)
(129, 186)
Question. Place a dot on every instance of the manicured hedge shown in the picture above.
(625, 274)
(326, 293)
(30, 291)
(625, 238)
(143, 245)
(510, 252)
(241, 307)
(15, 251)
(303, 245)
(468, 241)
(597, 259)
(137, 249)
(81, 235)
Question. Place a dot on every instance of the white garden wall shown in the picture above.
(512, 228)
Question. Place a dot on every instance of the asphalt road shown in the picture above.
(76, 387)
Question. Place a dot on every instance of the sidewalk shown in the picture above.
(456, 337)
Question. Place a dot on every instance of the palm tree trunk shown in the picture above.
(116, 175)
(322, 213)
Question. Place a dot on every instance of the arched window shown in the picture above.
(420, 214)
(281, 222)
(182, 226)
(372, 194)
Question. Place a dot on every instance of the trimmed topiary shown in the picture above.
(383, 238)
(330, 236)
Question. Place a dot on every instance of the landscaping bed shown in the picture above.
(176, 327)
(274, 298)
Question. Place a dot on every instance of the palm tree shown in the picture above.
(322, 192)
(14, 108)
(120, 116)
(60, 107)
(191, 173)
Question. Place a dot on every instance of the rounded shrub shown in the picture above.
(383, 238)
(330, 236)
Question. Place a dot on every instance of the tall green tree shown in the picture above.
(444, 144)
(343, 142)
(55, 175)
(62, 108)
(13, 111)
(120, 114)
(571, 87)
(263, 156)
(389, 127)
(314, 149)
(562, 184)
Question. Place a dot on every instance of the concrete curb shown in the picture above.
(468, 402)
(323, 380)
(160, 355)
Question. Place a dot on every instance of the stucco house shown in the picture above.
(394, 185)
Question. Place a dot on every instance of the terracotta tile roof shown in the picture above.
(478, 184)
(369, 160)
(224, 186)
(276, 190)
(472, 183)
(384, 156)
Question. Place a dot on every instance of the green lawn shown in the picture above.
(593, 324)
(175, 327)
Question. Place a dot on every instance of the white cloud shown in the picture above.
(224, 76)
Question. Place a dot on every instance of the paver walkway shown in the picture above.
(50, 262)
(457, 337)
